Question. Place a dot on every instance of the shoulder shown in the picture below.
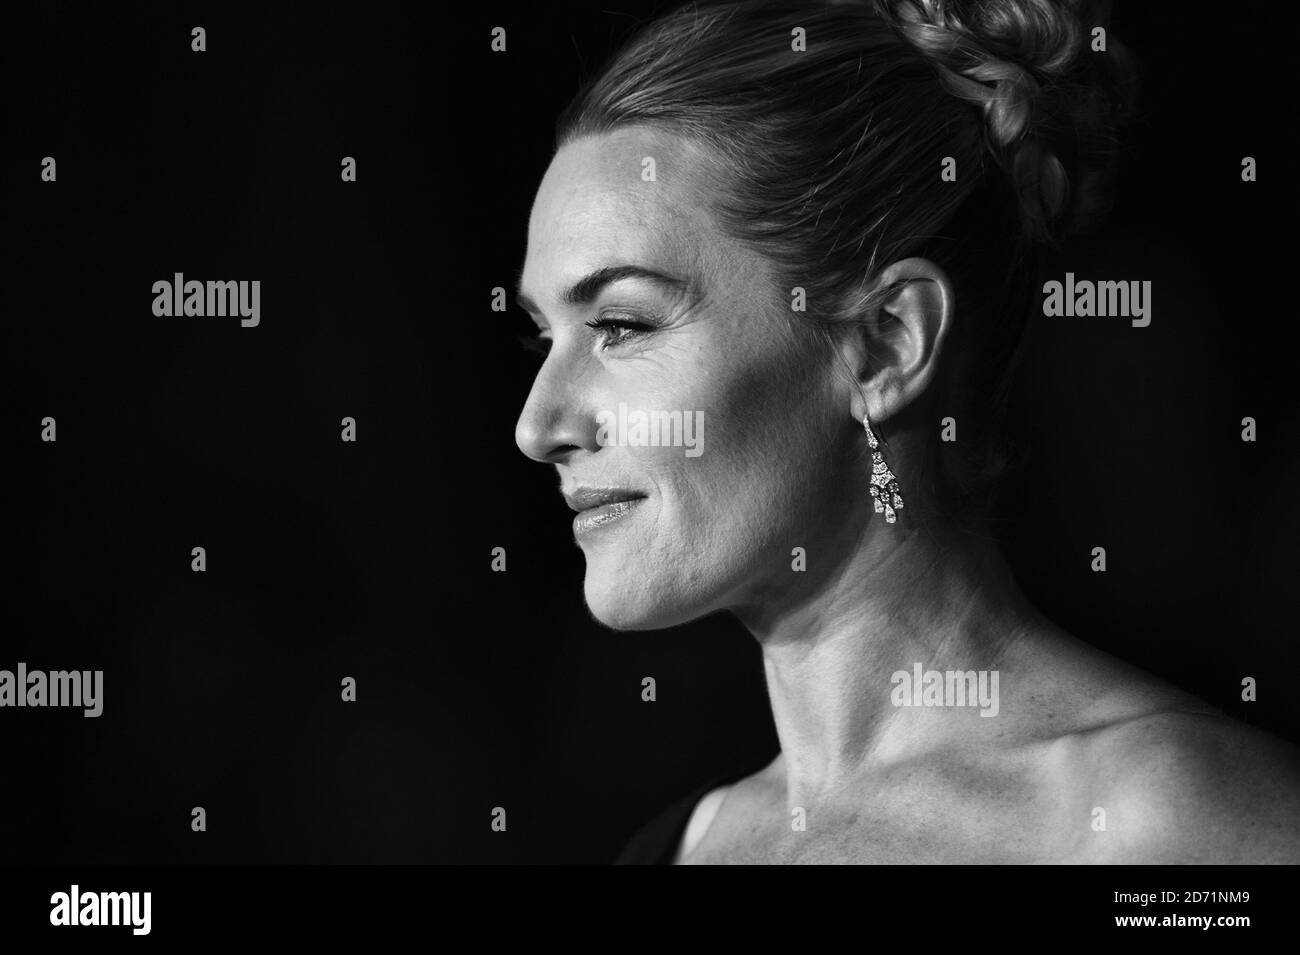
(656, 841)
(679, 826)
(701, 818)
(727, 802)
(1191, 787)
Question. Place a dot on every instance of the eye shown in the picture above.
(619, 331)
(536, 344)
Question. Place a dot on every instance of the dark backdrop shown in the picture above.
(372, 560)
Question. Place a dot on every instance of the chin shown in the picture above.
(617, 609)
(620, 607)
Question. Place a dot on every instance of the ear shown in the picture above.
(895, 349)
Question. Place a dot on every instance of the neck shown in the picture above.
(893, 601)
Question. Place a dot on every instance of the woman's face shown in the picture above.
(764, 458)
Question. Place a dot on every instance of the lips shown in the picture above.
(585, 498)
(600, 507)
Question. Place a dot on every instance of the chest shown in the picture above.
(1028, 826)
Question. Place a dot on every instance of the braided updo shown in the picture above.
(1027, 65)
(827, 160)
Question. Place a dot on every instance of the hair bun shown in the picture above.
(1050, 103)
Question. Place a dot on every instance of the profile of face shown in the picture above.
(647, 306)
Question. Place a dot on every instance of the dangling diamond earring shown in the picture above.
(884, 486)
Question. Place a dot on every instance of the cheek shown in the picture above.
(767, 433)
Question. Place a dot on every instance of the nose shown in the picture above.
(553, 423)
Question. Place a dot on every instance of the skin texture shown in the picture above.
(785, 465)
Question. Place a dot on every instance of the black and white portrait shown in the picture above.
(661, 432)
(784, 264)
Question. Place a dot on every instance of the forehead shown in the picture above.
(594, 208)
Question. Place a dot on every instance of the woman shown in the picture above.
(780, 249)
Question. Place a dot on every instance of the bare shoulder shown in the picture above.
(1192, 787)
(700, 821)
(728, 809)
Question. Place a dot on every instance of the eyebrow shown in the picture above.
(585, 290)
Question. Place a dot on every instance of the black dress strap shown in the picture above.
(656, 842)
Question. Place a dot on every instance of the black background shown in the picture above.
(372, 559)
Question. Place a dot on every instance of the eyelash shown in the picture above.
(542, 346)
(631, 327)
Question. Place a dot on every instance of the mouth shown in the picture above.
(600, 507)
